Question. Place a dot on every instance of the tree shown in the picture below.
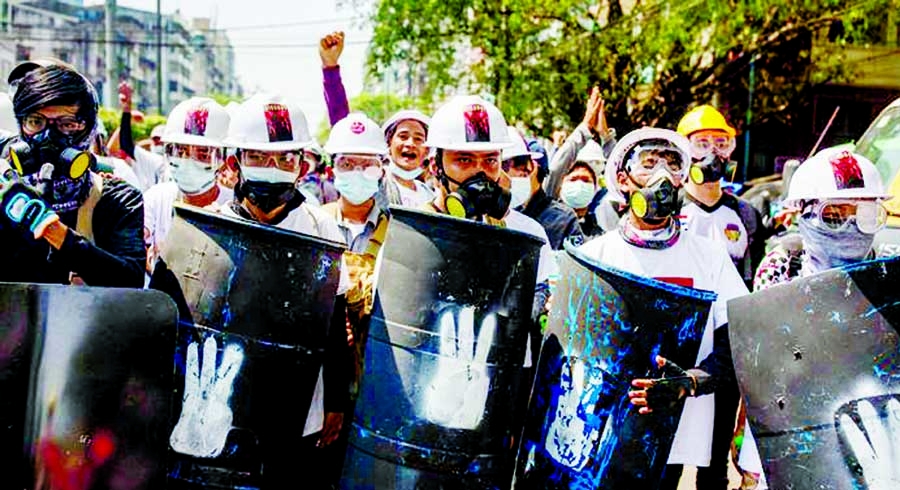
(653, 59)
(379, 107)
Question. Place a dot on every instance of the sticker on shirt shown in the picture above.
(732, 232)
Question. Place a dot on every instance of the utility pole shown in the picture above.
(109, 87)
(159, 60)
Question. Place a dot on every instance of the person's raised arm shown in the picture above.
(330, 48)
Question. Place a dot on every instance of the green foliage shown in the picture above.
(224, 99)
(653, 61)
(139, 130)
(379, 107)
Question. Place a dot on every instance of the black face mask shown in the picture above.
(265, 195)
(477, 196)
(655, 202)
(709, 169)
(49, 146)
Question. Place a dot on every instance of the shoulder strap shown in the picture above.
(85, 224)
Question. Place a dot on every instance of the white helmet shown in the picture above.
(406, 115)
(590, 152)
(268, 122)
(632, 141)
(517, 147)
(197, 121)
(232, 107)
(8, 120)
(356, 133)
(835, 174)
(468, 123)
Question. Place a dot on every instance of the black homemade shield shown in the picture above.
(85, 386)
(443, 361)
(261, 301)
(605, 329)
(818, 363)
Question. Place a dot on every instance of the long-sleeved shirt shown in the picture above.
(565, 157)
(335, 95)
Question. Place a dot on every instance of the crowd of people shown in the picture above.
(649, 202)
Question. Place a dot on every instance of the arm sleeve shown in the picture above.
(337, 360)
(564, 159)
(335, 95)
(719, 364)
(117, 257)
(126, 140)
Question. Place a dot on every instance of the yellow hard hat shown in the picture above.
(704, 117)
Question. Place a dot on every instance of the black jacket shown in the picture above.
(559, 221)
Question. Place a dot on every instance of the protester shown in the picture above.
(150, 167)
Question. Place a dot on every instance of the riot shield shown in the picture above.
(444, 358)
(85, 386)
(605, 328)
(818, 363)
(261, 301)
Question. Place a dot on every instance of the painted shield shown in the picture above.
(260, 301)
(605, 328)
(817, 360)
(444, 359)
(86, 383)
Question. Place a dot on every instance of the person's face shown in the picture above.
(461, 165)
(206, 155)
(709, 141)
(648, 165)
(408, 145)
(370, 165)
(580, 174)
(156, 140)
(63, 117)
(519, 168)
(290, 161)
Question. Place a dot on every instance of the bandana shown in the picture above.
(659, 239)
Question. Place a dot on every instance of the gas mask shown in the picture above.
(709, 169)
(265, 187)
(29, 153)
(657, 200)
(477, 196)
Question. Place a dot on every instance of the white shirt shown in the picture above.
(720, 224)
(122, 170)
(311, 220)
(159, 210)
(150, 168)
(547, 262)
(696, 262)
(415, 198)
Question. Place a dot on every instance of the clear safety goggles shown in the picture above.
(289, 161)
(370, 166)
(648, 161)
(837, 214)
(703, 145)
(201, 154)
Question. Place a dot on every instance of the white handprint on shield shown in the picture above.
(879, 455)
(206, 415)
(570, 438)
(456, 394)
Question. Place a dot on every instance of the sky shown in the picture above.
(292, 66)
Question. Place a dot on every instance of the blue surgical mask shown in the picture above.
(827, 249)
(270, 175)
(577, 193)
(192, 177)
(355, 186)
(403, 173)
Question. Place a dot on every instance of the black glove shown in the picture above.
(665, 392)
(23, 208)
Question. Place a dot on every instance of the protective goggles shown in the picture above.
(368, 165)
(289, 161)
(837, 214)
(37, 122)
(646, 162)
(202, 154)
(703, 145)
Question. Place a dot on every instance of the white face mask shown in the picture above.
(192, 177)
(355, 186)
(577, 193)
(520, 189)
(157, 149)
(269, 175)
(405, 174)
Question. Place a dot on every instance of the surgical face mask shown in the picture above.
(157, 149)
(404, 174)
(828, 248)
(270, 175)
(657, 200)
(192, 177)
(577, 193)
(355, 186)
(520, 191)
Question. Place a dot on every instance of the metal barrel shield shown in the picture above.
(261, 301)
(818, 363)
(86, 383)
(605, 328)
(444, 358)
